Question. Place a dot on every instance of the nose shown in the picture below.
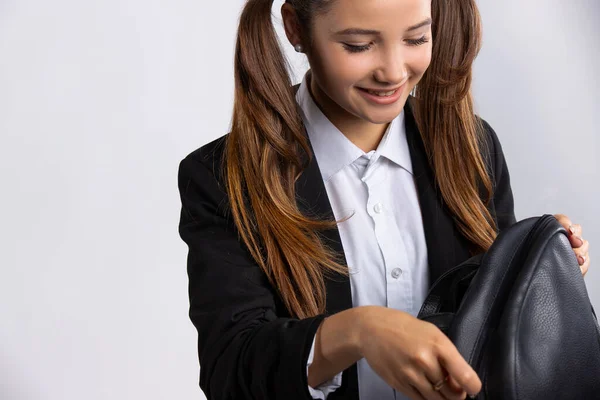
(392, 66)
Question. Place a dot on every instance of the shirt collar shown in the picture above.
(334, 151)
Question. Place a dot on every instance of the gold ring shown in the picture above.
(438, 386)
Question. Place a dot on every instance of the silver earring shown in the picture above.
(413, 92)
(298, 48)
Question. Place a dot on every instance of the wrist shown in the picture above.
(362, 327)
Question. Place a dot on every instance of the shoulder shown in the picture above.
(201, 183)
(503, 202)
(209, 156)
(491, 148)
(489, 136)
(210, 152)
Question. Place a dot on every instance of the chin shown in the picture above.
(383, 117)
(378, 120)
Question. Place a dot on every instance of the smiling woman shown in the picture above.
(343, 198)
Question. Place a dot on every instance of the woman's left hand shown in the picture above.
(580, 246)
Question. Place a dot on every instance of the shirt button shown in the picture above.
(378, 208)
(396, 272)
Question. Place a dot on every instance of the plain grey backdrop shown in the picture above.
(100, 100)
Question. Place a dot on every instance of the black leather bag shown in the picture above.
(521, 316)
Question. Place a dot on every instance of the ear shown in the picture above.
(291, 24)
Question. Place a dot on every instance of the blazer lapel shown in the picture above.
(312, 200)
(446, 247)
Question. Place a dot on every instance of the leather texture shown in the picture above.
(521, 316)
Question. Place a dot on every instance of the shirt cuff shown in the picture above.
(323, 390)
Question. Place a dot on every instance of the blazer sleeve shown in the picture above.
(503, 196)
(246, 350)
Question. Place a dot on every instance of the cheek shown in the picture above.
(343, 69)
(420, 61)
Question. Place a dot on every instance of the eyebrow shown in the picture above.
(359, 31)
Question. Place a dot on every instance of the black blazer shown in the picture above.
(248, 346)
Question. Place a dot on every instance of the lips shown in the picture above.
(381, 92)
(382, 97)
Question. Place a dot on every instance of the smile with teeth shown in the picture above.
(382, 94)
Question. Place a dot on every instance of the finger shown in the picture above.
(407, 386)
(582, 252)
(575, 232)
(425, 387)
(575, 241)
(453, 387)
(413, 393)
(450, 390)
(430, 374)
(452, 394)
(563, 220)
(459, 369)
(585, 267)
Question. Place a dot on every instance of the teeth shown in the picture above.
(382, 94)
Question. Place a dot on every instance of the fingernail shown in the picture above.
(571, 229)
(581, 260)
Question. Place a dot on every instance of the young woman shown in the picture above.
(316, 226)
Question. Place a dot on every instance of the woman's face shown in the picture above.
(377, 45)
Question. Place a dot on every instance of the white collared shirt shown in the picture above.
(383, 241)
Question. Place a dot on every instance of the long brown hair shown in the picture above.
(267, 149)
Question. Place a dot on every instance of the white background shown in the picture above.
(99, 101)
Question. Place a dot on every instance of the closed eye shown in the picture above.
(358, 49)
(419, 41)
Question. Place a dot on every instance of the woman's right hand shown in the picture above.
(411, 355)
